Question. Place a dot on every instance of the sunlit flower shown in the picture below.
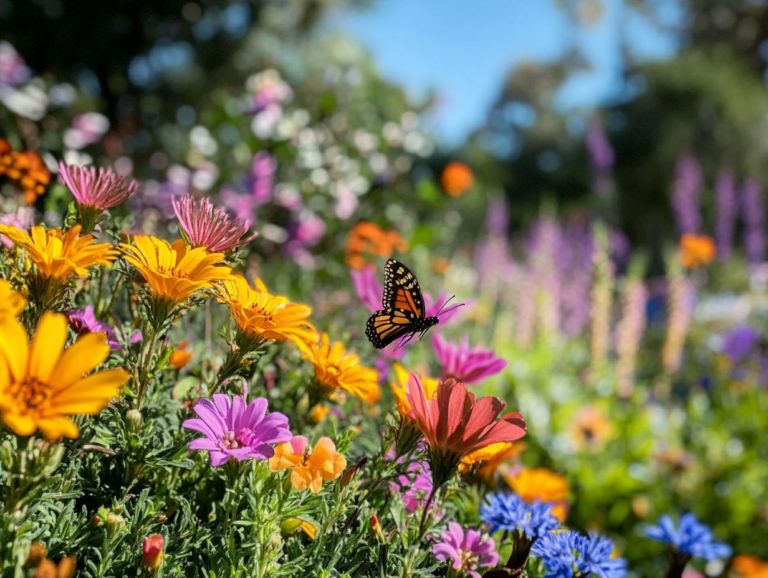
(400, 388)
(689, 538)
(25, 169)
(152, 551)
(572, 554)
(544, 485)
(235, 429)
(465, 550)
(84, 321)
(454, 424)
(368, 239)
(207, 226)
(95, 190)
(290, 525)
(749, 567)
(590, 429)
(11, 302)
(180, 356)
(484, 462)
(336, 368)
(456, 179)
(264, 316)
(696, 250)
(465, 363)
(309, 467)
(42, 384)
(174, 272)
(60, 254)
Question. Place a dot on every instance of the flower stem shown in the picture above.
(427, 506)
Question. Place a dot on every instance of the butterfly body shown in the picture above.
(403, 313)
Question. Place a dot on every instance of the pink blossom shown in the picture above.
(465, 363)
(99, 188)
(207, 226)
(465, 550)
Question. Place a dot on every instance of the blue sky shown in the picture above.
(462, 48)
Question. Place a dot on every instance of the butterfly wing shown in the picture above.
(401, 289)
(386, 325)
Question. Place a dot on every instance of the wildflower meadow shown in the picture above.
(259, 318)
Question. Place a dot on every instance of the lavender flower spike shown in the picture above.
(207, 226)
(233, 429)
(754, 220)
(725, 191)
(685, 194)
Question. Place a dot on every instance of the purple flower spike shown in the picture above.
(210, 227)
(465, 363)
(727, 206)
(84, 321)
(467, 551)
(685, 194)
(234, 429)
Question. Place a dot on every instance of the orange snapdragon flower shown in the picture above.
(456, 179)
(696, 250)
(368, 239)
(541, 484)
(455, 424)
(309, 468)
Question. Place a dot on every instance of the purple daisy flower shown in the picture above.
(465, 363)
(84, 321)
(415, 485)
(234, 429)
(467, 551)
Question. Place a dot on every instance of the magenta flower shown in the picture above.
(465, 363)
(84, 321)
(234, 429)
(367, 287)
(207, 226)
(414, 486)
(98, 188)
(467, 551)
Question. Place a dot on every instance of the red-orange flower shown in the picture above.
(366, 239)
(456, 179)
(455, 424)
(25, 169)
(696, 250)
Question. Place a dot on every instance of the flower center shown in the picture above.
(30, 394)
(235, 440)
(469, 560)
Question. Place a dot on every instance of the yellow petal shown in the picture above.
(87, 353)
(22, 425)
(54, 428)
(78, 397)
(14, 348)
(47, 345)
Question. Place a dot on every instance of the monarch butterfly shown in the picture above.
(403, 313)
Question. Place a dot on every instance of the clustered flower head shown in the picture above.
(25, 169)
(309, 467)
(455, 424)
(207, 226)
(368, 239)
(336, 368)
(465, 550)
(569, 554)
(232, 428)
(42, 384)
(465, 363)
(508, 512)
(690, 537)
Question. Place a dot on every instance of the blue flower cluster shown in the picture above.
(506, 511)
(691, 537)
(568, 553)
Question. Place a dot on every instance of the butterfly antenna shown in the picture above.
(449, 309)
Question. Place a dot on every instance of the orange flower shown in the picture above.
(749, 567)
(180, 357)
(591, 429)
(488, 459)
(456, 179)
(454, 424)
(309, 468)
(152, 551)
(696, 250)
(541, 484)
(26, 170)
(45, 568)
(366, 239)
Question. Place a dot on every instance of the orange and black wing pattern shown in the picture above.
(387, 325)
(401, 289)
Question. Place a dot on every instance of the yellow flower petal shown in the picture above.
(87, 353)
(47, 345)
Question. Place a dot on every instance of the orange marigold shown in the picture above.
(25, 169)
(696, 250)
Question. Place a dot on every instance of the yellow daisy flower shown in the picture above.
(400, 388)
(42, 384)
(11, 302)
(486, 460)
(174, 272)
(60, 254)
(263, 316)
(336, 368)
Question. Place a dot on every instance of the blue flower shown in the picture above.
(509, 512)
(692, 537)
(568, 554)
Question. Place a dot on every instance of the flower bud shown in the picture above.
(376, 528)
(134, 419)
(152, 551)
